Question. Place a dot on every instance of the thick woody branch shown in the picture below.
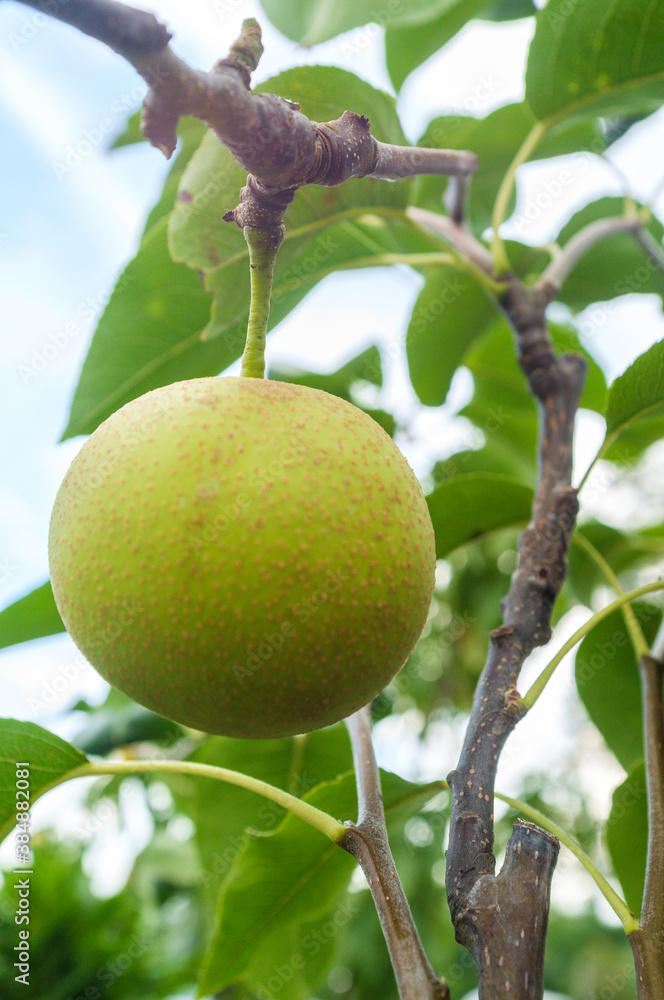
(128, 31)
(648, 941)
(368, 843)
(279, 147)
(505, 921)
(476, 896)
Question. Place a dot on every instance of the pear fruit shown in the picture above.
(247, 557)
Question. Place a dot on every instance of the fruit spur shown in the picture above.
(271, 540)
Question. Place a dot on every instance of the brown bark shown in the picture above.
(279, 147)
(493, 916)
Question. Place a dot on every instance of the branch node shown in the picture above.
(344, 148)
(261, 208)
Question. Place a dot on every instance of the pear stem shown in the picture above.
(263, 249)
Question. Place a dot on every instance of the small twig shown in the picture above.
(558, 270)
(458, 236)
(648, 942)
(368, 843)
(651, 246)
(370, 815)
(394, 162)
(456, 197)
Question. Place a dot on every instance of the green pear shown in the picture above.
(246, 557)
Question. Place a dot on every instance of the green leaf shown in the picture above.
(116, 947)
(47, 757)
(276, 883)
(464, 508)
(31, 617)
(508, 10)
(591, 59)
(495, 139)
(318, 240)
(503, 410)
(634, 439)
(365, 367)
(148, 336)
(636, 394)
(227, 818)
(132, 133)
(408, 46)
(114, 727)
(140, 302)
(652, 538)
(627, 836)
(281, 881)
(451, 311)
(607, 679)
(190, 132)
(618, 549)
(635, 408)
(616, 265)
(325, 92)
(318, 20)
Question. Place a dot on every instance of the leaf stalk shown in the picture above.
(316, 818)
(536, 689)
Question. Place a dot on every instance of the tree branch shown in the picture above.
(128, 31)
(368, 843)
(558, 270)
(651, 247)
(505, 920)
(648, 942)
(486, 908)
(394, 162)
(279, 147)
(456, 197)
(456, 234)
